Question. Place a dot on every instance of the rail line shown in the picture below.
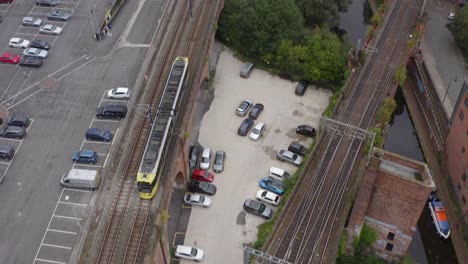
(317, 197)
(129, 215)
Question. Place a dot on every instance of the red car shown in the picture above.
(9, 58)
(202, 175)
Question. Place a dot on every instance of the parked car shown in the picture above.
(50, 29)
(58, 15)
(119, 93)
(197, 199)
(35, 52)
(19, 121)
(19, 43)
(257, 131)
(12, 132)
(256, 111)
(271, 185)
(111, 111)
(202, 187)
(202, 175)
(301, 87)
(246, 69)
(306, 130)
(278, 174)
(268, 197)
(187, 252)
(451, 16)
(286, 155)
(245, 126)
(9, 58)
(40, 44)
(218, 164)
(98, 134)
(257, 208)
(85, 156)
(297, 148)
(47, 2)
(6, 1)
(194, 156)
(31, 61)
(32, 21)
(6, 152)
(205, 161)
(243, 108)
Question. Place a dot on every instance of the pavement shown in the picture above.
(442, 58)
(40, 220)
(222, 229)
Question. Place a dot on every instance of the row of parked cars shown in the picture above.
(37, 50)
(16, 129)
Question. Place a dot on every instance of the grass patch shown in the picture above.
(332, 104)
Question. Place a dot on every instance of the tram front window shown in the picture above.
(144, 187)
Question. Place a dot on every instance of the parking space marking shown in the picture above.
(96, 142)
(105, 120)
(62, 231)
(105, 161)
(114, 100)
(26, 34)
(86, 165)
(175, 236)
(67, 217)
(49, 261)
(78, 190)
(16, 150)
(102, 154)
(79, 204)
(3, 162)
(56, 246)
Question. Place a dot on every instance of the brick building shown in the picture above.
(392, 195)
(456, 147)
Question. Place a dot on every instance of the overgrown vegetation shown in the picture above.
(459, 29)
(363, 253)
(400, 74)
(384, 116)
(332, 103)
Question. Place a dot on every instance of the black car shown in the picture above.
(202, 187)
(30, 61)
(194, 156)
(245, 127)
(301, 87)
(6, 152)
(258, 208)
(297, 148)
(47, 2)
(94, 133)
(40, 44)
(305, 130)
(112, 111)
(19, 121)
(256, 111)
(12, 132)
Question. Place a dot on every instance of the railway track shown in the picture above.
(129, 215)
(303, 232)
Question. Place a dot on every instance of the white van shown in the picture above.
(278, 174)
(83, 179)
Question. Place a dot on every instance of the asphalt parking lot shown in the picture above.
(222, 229)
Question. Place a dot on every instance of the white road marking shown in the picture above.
(106, 120)
(87, 165)
(97, 142)
(49, 261)
(61, 231)
(70, 203)
(67, 217)
(78, 190)
(56, 246)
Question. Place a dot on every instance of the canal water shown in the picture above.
(401, 138)
(355, 21)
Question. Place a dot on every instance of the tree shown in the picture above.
(459, 28)
(256, 28)
(322, 13)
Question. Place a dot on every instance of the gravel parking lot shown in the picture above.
(222, 229)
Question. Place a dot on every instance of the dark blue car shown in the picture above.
(271, 185)
(98, 134)
(85, 156)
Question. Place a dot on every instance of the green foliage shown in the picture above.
(322, 13)
(459, 29)
(388, 106)
(348, 259)
(379, 139)
(332, 104)
(377, 19)
(264, 231)
(369, 31)
(342, 243)
(400, 74)
(365, 239)
(407, 259)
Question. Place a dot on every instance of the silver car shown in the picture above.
(58, 15)
(220, 157)
(50, 29)
(286, 155)
(197, 199)
(32, 21)
(34, 52)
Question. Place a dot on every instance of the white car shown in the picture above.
(268, 197)
(19, 43)
(257, 131)
(205, 159)
(197, 199)
(33, 52)
(187, 252)
(50, 29)
(119, 93)
(32, 21)
(451, 16)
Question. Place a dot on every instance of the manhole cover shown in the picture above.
(48, 83)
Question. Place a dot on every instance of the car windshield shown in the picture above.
(102, 132)
(256, 131)
(205, 159)
(219, 159)
(243, 105)
(262, 208)
(201, 199)
(193, 252)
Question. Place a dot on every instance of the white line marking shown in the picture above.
(77, 190)
(50, 261)
(105, 161)
(12, 139)
(61, 231)
(3, 162)
(114, 100)
(102, 154)
(79, 204)
(56, 246)
(67, 217)
(96, 142)
(26, 34)
(88, 165)
(106, 120)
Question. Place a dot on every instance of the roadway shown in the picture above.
(39, 220)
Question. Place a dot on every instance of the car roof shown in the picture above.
(121, 89)
(87, 152)
(184, 249)
(15, 39)
(5, 148)
(270, 195)
(259, 125)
